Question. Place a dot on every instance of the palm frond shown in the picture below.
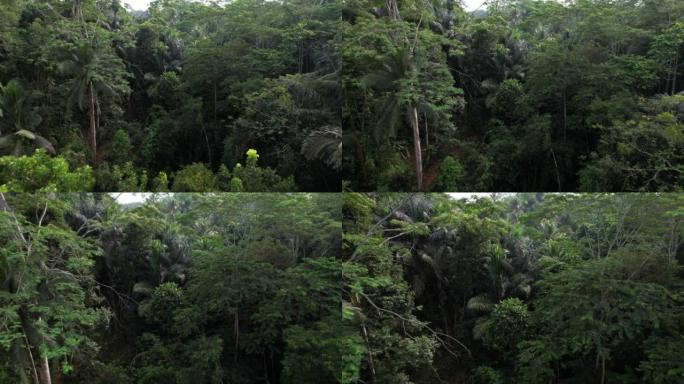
(324, 144)
(480, 303)
(388, 118)
(142, 287)
(480, 327)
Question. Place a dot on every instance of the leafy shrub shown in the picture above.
(42, 173)
(160, 183)
(508, 324)
(252, 178)
(450, 175)
(158, 308)
(639, 153)
(391, 171)
(665, 364)
(123, 177)
(121, 149)
(195, 177)
(510, 99)
(487, 375)
(327, 352)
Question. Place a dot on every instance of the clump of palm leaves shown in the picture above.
(510, 273)
(18, 121)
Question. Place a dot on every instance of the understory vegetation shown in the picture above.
(184, 288)
(172, 98)
(524, 288)
(520, 95)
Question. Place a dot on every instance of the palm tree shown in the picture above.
(391, 80)
(430, 269)
(508, 277)
(94, 74)
(19, 119)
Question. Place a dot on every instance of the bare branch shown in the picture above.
(438, 335)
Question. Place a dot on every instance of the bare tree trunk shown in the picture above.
(206, 139)
(413, 117)
(45, 370)
(427, 138)
(393, 9)
(76, 10)
(93, 128)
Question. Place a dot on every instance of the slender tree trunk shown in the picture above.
(300, 58)
(674, 73)
(371, 364)
(673, 241)
(34, 372)
(93, 128)
(558, 180)
(237, 334)
(445, 319)
(427, 138)
(413, 117)
(565, 117)
(237, 310)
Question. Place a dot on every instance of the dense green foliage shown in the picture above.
(517, 289)
(136, 95)
(42, 173)
(527, 95)
(188, 288)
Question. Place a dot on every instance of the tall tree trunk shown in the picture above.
(237, 334)
(45, 370)
(565, 117)
(674, 73)
(237, 311)
(93, 126)
(34, 372)
(555, 163)
(370, 353)
(427, 138)
(76, 10)
(413, 117)
(300, 58)
(393, 9)
(215, 105)
(206, 139)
